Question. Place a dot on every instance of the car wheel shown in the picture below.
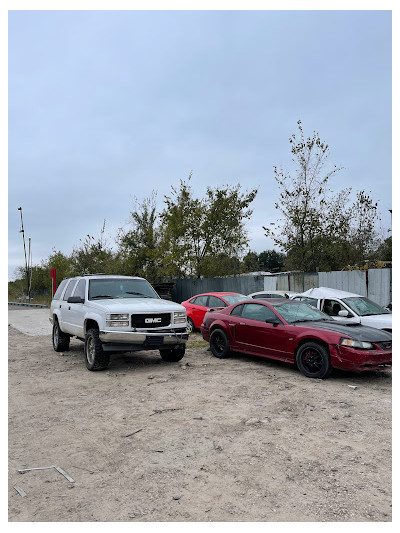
(59, 338)
(95, 357)
(313, 360)
(219, 343)
(190, 325)
(172, 355)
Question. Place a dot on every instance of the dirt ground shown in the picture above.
(239, 439)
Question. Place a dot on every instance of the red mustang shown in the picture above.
(197, 306)
(296, 332)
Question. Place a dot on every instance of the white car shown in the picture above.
(347, 307)
(271, 294)
(116, 314)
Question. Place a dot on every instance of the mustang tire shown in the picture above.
(60, 339)
(313, 360)
(95, 357)
(172, 355)
(219, 344)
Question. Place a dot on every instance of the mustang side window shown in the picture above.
(237, 311)
(259, 312)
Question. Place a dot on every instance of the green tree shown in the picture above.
(318, 229)
(140, 250)
(384, 250)
(220, 265)
(250, 262)
(271, 260)
(363, 236)
(199, 228)
(93, 255)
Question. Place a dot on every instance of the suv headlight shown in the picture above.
(179, 317)
(351, 343)
(117, 320)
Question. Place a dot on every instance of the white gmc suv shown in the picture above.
(116, 314)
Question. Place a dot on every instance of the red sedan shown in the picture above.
(296, 332)
(197, 306)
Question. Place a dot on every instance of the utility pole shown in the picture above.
(26, 263)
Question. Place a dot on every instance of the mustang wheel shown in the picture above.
(219, 343)
(313, 360)
(60, 339)
(172, 355)
(190, 325)
(95, 357)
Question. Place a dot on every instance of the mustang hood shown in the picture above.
(357, 332)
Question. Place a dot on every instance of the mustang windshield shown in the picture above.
(299, 312)
(364, 307)
(120, 288)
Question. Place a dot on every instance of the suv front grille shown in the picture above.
(151, 320)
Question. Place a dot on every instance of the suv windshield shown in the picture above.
(364, 307)
(234, 298)
(120, 288)
(299, 312)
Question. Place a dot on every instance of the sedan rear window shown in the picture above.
(234, 298)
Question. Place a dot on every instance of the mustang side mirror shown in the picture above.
(273, 321)
(76, 300)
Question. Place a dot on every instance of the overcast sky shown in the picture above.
(108, 106)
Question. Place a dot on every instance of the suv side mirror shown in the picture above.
(343, 312)
(76, 300)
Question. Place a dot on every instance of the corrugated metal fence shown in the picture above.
(185, 288)
(374, 283)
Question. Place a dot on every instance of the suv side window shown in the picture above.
(80, 288)
(59, 290)
(69, 288)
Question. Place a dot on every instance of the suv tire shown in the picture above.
(95, 357)
(59, 338)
